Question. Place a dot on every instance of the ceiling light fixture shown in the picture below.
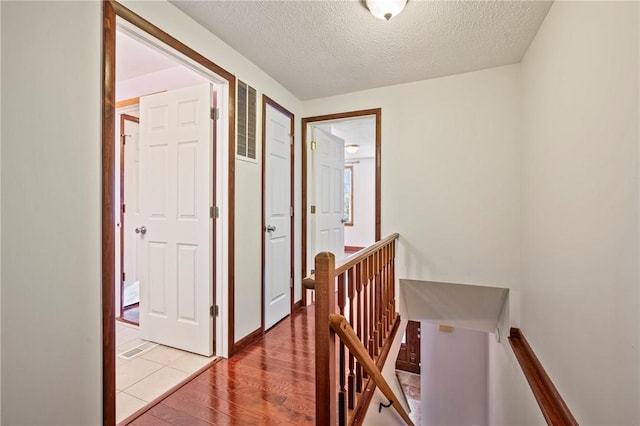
(385, 9)
(351, 149)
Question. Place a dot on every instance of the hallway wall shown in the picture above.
(580, 198)
(51, 246)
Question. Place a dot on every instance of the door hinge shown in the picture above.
(214, 310)
(291, 137)
(215, 113)
(291, 282)
(313, 209)
(313, 145)
(291, 211)
(124, 210)
(123, 275)
(214, 212)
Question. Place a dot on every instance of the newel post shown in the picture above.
(326, 408)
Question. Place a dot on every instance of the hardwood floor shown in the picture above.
(271, 382)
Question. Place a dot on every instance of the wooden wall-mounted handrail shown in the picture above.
(340, 325)
(553, 407)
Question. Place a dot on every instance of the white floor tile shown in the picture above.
(190, 363)
(126, 334)
(134, 371)
(127, 405)
(163, 355)
(129, 345)
(157, 383)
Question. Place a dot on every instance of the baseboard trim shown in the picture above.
(247, 340)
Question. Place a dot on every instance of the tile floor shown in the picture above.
(410, 383)
(142, 379)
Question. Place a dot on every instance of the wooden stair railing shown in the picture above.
(340, 325)
(361, 289)
(553, 407)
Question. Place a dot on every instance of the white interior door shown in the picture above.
(329, 193)
(131, 244)
(277, 241)
(175, 187)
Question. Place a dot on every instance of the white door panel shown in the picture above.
(328, 160)
(277, 274)
(175, 187)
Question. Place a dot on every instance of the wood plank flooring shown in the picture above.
(271, 382)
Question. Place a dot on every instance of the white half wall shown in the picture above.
(580, 288)
(51, 240)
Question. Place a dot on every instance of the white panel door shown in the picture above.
(329, 193)
(175, 193)
(131, 243)
(277, 241)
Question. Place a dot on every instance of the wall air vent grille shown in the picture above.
(247, 120)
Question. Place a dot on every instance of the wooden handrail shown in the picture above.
(309, 282)
(351, 261)
(340, 325)
(553, 407)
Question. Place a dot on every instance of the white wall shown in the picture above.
(363, 231)
(453, 376)
(248, 274)
(451, 167)
(51, 245)
(580, 307)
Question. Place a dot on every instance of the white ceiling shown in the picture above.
(323, 48)
(134, 59)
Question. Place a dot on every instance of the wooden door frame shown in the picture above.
(112, 10)
(377, 112)
(268, 101)
(123, 117)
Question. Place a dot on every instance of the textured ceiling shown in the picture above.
(323, 48)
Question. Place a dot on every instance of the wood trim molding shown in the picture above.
(249, 339)
(377, 112)
(551, 404)
(353, 249)
(108, 219)
(128, 102)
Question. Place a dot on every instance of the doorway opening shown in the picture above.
(340, 184)
(214, 181)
